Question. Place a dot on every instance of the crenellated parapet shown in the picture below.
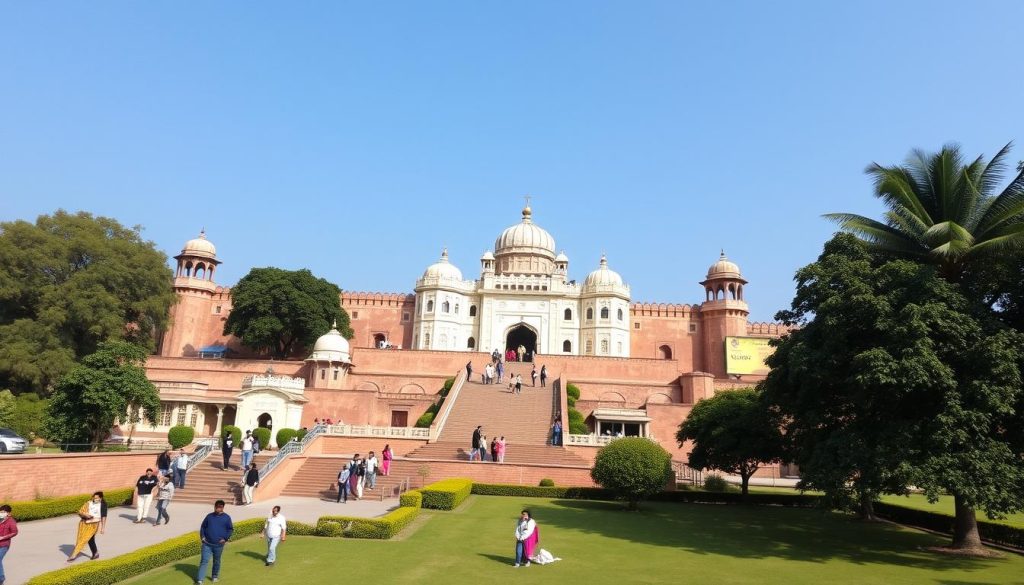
(769, 329)
(376, 299)
(663, 310)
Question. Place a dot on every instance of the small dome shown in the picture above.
(561, 257)
(443, 269)
(200, 246)
(603, 276)
(526, 237)
(724, 268)
(331, 347)
(487, 256)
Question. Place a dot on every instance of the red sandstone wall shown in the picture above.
(667, 325)
(28, 477)
(350, 445)
(379, 314)
(219, 374)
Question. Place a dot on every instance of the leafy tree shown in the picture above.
(892, 378)
(634, 468)
(7, 408)
(106, 386)
(279, 310)
(69, 282)
(732, 432)
(944, 211)
(29, 413)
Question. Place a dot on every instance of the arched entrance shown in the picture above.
(265, 421)
(524, 336)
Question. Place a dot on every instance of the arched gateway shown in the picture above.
(521, 335)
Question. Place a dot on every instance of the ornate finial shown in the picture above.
(604, 260)
(527, 212)
(334, 325)
(444, 254)
(202, 233)
(722, 257)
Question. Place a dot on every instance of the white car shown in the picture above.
(10, 442)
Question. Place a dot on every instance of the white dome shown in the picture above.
(562, 257)
(487, 256)
(525, 237)
(603, 276)
(724, 268)
(199, 246)
(331, 347)
(443, 269)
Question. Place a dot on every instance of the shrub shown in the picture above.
(180, 436)
(425, 420)
(572, 391)
(634, 468)
(446, 494)
(577, 425)
(715, 483)
(794, 500)
(411, 499)
(989, 531)
(381, 528)
(547, 482)
(447, 387)
(531, 491)
(263, 436)
(301, 434)
(62, 506)
(236, 435)
(284, 436)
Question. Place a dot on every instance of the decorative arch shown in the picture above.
(368, 386)
(620, 314)
(590, 313)
(567, 346)
(472, 310)
(659, 398)
(430, 306)
(612, 397)
(665, 352)
(412, 389)
(568, 315)
(604, 312)
(471, 343)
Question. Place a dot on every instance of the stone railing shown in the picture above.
(272, 381)
(344, 430)
(292, 447)
(589, 440)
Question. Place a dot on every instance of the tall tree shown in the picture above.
(944, 211)
(280, 311)
(69, 282)
(108, 385)
(733, 432)
(894, 377)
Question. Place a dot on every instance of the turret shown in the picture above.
(724, 313)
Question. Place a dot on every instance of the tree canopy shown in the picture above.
(895, 377)
(732, 432)
(634, 468)
(108, 385)
(69, 282)
(278, 311)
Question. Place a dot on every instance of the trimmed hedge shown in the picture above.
(262, 435)
(411, 499)
(284, 436)
(695, 497)
(381, 528)
(180, 436)
(989, 531)
(446, 494)
(425, 420)
(532, 491)
(301, 434)
(236, 434)
(546, 482)
(51, 508)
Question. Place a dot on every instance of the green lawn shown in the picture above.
(601, 543)
(945, 506)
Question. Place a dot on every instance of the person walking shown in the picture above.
(92, 518)
(360, 477)
(494, 450)
(525, 529)
(353, 477)
(483, 447)
(371, 471)
(163, 462)
(275, 530)
(386, 456)
(474, 443)
(499, 369)
(544, 376)
(164, 495)
(343, 477)
(144, 495)
(521, 351)
(556, 433)
(214, 533)
(469, 370)
(519, 384)
(488, 374)
(180, 469)
(250, 481)
(247, 449)
(533, 375)
(8, 530)
(227, 447)
(501, 449)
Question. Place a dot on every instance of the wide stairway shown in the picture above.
(207, 482)
(318, 475)
(523, 419)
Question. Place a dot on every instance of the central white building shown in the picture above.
(523, 297)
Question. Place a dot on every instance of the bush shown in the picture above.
(263, 436)
(301, 434)
(447, 387)
(411, 499)
(715, 483)
(572, 391)
(794, 500)
(577, 425)
(547, 482)
(236, 435)
(284, 436)
(180, 436)
(989, 531)
(381, 528)
(530, 491)
(446, 494)
(634, 468)
(62, 506)
(424, 421)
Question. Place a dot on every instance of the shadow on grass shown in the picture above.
(754, 532)
(188, 570)
(502, 560)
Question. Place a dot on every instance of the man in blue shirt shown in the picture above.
(214, 533)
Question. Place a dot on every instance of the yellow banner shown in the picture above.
(746, 355)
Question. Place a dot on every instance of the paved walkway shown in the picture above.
(43, 545)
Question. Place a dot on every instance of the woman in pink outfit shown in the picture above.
(501, 449)
(386, 456)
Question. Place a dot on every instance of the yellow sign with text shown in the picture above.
(746, 355)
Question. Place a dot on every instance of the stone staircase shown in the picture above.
(317, 476)
(207, 482)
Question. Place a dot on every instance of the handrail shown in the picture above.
(685, 473)
(292, 447)
(449, 403)
(346, 430)
(206, 447)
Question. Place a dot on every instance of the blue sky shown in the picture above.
(358, 138)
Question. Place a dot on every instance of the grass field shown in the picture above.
(601, 543)
(945, 506)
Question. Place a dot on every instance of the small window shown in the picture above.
(604, 346)
(217, 310)
(165, 415)
(181, 414)
(445, 307)
(567, 346)
(336, 373)
(430, 306)
(355, 314)
(620, 314)
(472, 310)
(568, 315)
(636, 325)
(590, 346)
(323, 374)
(426, 339)
(405, 316)
(693, 327)
(456, 308)
(604, 312)
(195, 417)
(590, 314)
(471, 343)
(618, 347)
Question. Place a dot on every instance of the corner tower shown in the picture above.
(723, 313)
(194, 285)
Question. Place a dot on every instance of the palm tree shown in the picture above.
(943, 212)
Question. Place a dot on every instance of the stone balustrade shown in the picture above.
(344, 430)
(296, 385)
